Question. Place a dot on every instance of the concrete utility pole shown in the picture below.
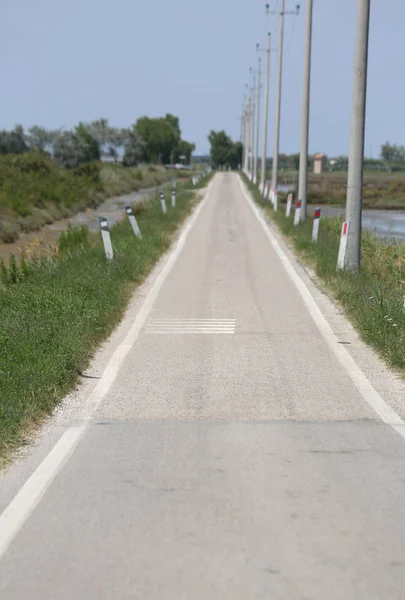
(242, 136)
(245, 140)
(253, 129)
(357, 130)
(248, 133)
(257, 134)
(278, 101)
(266, 113)
(303, 174)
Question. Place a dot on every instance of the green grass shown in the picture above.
(55, 309)
(372, 300)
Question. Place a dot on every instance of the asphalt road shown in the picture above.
(233, 457)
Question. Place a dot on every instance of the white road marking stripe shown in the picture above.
(178, 320)
(191, 332)
(198, 325)
(190, 327)
(185, 328)
(19, 509)
(369, 393)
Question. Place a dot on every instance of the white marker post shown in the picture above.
(297, 212)
(289, 204)
(133, 221)
(315, 228)
(163, 203)
(275, 200)
(174, 183)
(173, 198)
(266, 190)
(105, 234)
(343, 245)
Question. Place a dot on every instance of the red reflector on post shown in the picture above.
(299, 203)
(345, 228)
(317, 214)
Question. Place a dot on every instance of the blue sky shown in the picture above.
(62, 62)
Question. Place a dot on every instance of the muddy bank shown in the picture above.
(112, 209)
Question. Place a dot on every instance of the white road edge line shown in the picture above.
(21, 506)
(370, 395)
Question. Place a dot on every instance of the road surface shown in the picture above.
(230, 457)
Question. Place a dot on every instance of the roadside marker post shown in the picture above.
(275, 200)
(297, 215)
(174, 183)
(266, 190)
(163, 203)
(289, 204)
(343, 245)
(173, 198)
(315, 228)
(133, 221)
(105, 234)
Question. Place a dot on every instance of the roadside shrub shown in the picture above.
(9, 231)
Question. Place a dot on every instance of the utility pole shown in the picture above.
(248, 128)
(266, 113)
(303, 174)
(357, 130)
(242, 136)
(253, 142)
(257, 119)
(278, 101)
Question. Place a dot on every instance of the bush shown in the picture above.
(9, 231)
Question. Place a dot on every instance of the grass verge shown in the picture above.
(55, 309)
(372, 300)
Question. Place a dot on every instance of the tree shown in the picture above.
(74, 148)
(110, 139)
(235, 155)
(184, 149)
(224, 152)
(392, 153)
(39, 138)
(160, 138)
(133, 148)
(13, 142)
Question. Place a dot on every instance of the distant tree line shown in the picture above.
(149, 140)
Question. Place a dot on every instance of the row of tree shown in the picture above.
(151, 140)
(225, 153)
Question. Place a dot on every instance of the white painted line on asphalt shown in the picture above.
(369, 393)
(191, 326)
(22, 505)
(191, 332)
